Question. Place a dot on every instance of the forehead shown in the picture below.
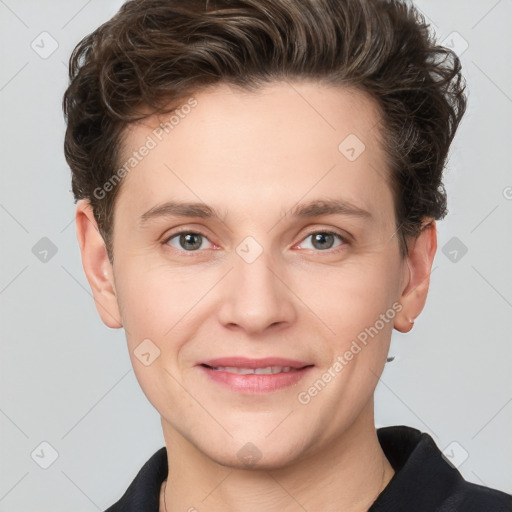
(275, 145)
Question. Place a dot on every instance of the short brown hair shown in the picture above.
(154, 52)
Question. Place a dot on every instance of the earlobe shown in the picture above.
(419, 264)
(97, 266)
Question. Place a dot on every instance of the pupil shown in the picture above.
(187, 241)
(321, 239)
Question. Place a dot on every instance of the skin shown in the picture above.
(253, 156)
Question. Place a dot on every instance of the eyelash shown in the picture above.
(342, 238)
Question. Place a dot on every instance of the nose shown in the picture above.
(256, 296)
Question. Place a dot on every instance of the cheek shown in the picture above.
(370, 281)
(351, 297)
(154, 298)
(154, 303)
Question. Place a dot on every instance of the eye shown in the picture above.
(324, 240)
(189, 241)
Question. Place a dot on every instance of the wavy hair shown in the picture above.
(154, 52)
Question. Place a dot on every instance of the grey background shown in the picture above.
(66, 379)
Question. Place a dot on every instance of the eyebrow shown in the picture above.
(178, 209)
(305, 210)
(328, 207)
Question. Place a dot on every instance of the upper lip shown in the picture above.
(244, 362)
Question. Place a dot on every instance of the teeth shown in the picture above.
(269, 370)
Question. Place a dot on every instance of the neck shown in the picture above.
(347, 475)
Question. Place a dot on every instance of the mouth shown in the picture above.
(267, 370)
(255, 376)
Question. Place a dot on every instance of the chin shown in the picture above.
(252, 458)
(259, 453)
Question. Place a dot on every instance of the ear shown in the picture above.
(97, 266)
(416, 280)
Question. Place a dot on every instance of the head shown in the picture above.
(311, 137)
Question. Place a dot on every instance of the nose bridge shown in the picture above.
(257, 298)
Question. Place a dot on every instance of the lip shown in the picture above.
(246, 362)
(253, 384)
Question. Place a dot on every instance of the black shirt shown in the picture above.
(424, 481)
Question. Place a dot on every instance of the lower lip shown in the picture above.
(253, 383)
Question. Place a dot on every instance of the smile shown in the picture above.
(254, 376)
(268, 370)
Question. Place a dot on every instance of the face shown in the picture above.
(289, 252)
